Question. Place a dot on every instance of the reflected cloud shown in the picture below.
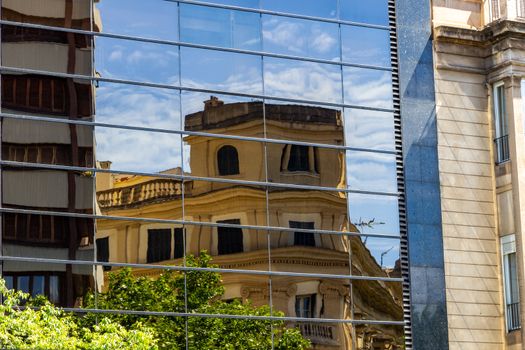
(300, 37)
(303, 80)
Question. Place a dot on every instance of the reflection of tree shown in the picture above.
(166, 293)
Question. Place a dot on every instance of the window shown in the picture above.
(40, 229)
(228, 161)
(103, 251)
(159, 245)
(510, 278)
(305, 306)
(179, 242)
(229, 238)
(38, 283)
(303, 238)
(299, 158)
(500, 120)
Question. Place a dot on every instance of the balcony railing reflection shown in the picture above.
(513, 316)
(140, 193)
(319, 333)
(502, 149)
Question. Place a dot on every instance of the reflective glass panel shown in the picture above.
(224, 158)
(299, 37)
(137, 61)
(137, 150)
(64, 285)
(146, 19)
(133, 105)
(222, 114)
(136, 196)
(302, 80)
(232, 72)
(325, 209)
(374, 214)
(368, 87)
(385, 303)
(363, 45)
(371, 12)
(377, 257)
(215, 201)
(303, 122)
(369, 129)
(220, 27)
(46, 50)
(388, 336)
(306, 165)
(361, 165)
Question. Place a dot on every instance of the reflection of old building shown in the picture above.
(47, 236)
(230, 205)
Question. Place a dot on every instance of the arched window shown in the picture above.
(228, 160)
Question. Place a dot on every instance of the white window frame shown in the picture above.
(500, 120)
(508, 247)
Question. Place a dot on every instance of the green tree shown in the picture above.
(48, 327)
(204, 291)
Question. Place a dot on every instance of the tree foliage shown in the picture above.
(204, 291)
(44, 326)
(48, 327)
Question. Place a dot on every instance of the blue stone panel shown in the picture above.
(419, 130)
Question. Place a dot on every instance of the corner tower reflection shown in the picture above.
(209, 194)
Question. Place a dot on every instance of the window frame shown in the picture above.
(313, 305)
(501, 123)
(508, 248)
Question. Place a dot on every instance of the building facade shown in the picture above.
(335, 159)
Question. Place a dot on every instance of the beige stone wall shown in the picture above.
(472, 265)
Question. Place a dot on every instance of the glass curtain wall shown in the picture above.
(141, 135)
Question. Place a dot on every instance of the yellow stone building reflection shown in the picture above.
(226, 205)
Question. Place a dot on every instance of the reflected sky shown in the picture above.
(302, 80)
(139, 18)
(142, 151)
(363, 45)
(137, 61)
(292, 36)
(134, 105)
(220, 27)
(232, 72)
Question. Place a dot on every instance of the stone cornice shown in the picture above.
(494, 32)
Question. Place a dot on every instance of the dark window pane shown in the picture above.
(230, 238)
(179, 243)
(298, 158)
(228, 160)
(103, 251)
(159, 245)
(303, 238)
(22, 283)
(38, 286)
(8, 282)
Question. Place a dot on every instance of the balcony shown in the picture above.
(502, 149)
(143, 192)
(513, 317)
(319, 333)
